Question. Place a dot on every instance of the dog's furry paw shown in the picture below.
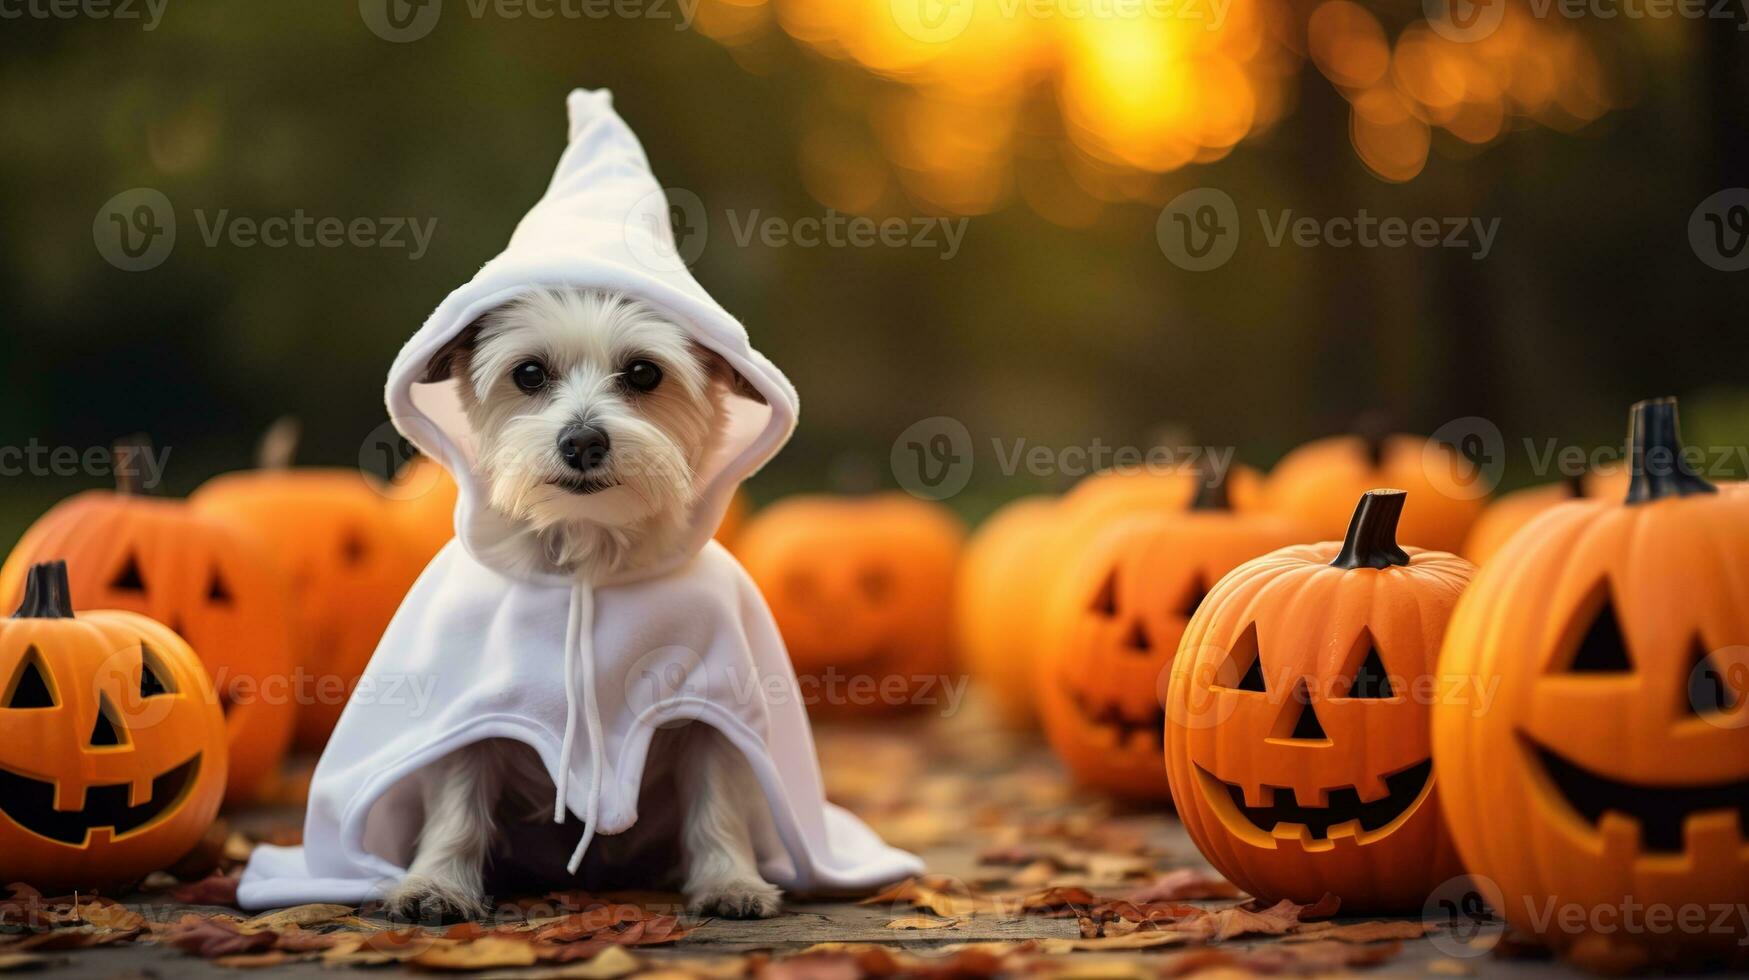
(753, 899)
(429, 900)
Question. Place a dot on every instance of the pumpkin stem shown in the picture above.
(126, 454)
(279, 444)
(1655, 454)
(46, 593)
(1372, 533)
(1211, 487)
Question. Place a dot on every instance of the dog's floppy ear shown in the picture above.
(724, 373)
(451, 355)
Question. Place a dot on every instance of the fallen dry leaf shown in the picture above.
(210, 937)
(105, 913)
(1152, 939)
(214, 889)
(1365, 932)
(296, 915)
(491, 952)
(922, 922)
(1182, 885)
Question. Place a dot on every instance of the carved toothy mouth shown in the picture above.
(30, 803)
(1660, 811)
(1343, 815)
(1110, 718)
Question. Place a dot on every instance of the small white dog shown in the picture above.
(591, 413)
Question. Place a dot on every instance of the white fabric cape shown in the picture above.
(582, 673)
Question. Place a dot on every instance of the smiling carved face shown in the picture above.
(1615, 762)
(1113, 629)
(1297, 741)
(112, 745)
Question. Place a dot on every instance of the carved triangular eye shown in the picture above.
(217, 591)
(154, 680)
(1199, 590)
(30, 686)
(1105, 600)
(1137, 639)
(128, 579)
(1602, 650)
(1709, 689)
(1371, 680)
(106, 733)
(1305, 727)
(1246, 663)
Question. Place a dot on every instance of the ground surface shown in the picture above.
(995, 819)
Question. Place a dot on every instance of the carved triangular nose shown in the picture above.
(1299, 719)
(104, 733)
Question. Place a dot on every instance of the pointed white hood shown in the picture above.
(582, 672)
(603, 223)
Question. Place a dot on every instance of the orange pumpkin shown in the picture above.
(862, 591)
(991, 610)
(1094, 504)
(112, 745)
(1317, 484)
(347, 568)
(1614, 763)
(1505, 516)
(422, 507)
(208, 581)
(1112, 628)
(1297, 720)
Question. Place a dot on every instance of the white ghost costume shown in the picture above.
(585, 675)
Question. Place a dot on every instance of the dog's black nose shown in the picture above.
(583, 447)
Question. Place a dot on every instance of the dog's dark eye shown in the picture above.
(643, 376)
(530, 376)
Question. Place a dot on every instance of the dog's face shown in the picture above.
(587, 408)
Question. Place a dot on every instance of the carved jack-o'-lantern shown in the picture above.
(1095, 504)
(348, 570)
(209, 582)
(1297, 721)
(1613, 765)
(1112, 628)
(862, 591)
(1505, 516)
(1317, 484)
(112, 746)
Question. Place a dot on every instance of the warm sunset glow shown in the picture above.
(1070, 103)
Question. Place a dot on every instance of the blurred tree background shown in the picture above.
(1060, 136)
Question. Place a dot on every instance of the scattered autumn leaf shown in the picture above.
(1182, 885)
(212, 937)
(922, 922)
(487, 953)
